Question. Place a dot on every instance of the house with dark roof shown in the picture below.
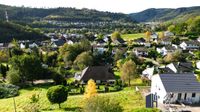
(141, 51)
(58, 43)
(98, 73)
(179, 67)
(172, 88)
(119, 41)
(166, 41)
(190, 45)
(140, 41)
(166, 49)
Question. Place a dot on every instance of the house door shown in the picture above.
(179, 96)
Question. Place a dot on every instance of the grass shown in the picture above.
(128, 98)
(129, 37)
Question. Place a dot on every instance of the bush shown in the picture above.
(59, 79)
(8, 90)
(146, 110)
(57, 94)
(117, 88)
(13, 76)
(101, 104)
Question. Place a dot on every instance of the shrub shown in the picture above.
(8, 90)
(57, 94)
(101, 104)
(13, 76)
(58, 79)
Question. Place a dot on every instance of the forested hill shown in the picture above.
(166, 14)
(60, 14)
(8, 31)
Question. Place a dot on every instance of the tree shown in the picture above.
(148, 35)
(115, 36)
(102, 104)
(90, 90)
(119, 54)
(58, 78)
(29, 67)
(13, 76)
(83, 60)
(57, 94)
(161, 35)
(3, 56)
(50, 58)
(3, 70)
(194, 26)
(128, 71)
(171, 28)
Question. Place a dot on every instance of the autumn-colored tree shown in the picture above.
(161, 35)
(128, 71)
(148, 35)
(90, 90)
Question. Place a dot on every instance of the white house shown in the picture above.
(165, 50)
(172, 88)
(189, 45)
(22, 45)
(198, 39)
(198, 64)
(148, 73)
(154, 37)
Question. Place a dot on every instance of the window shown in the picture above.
(193, 95)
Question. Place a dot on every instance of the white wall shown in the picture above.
(157, 87)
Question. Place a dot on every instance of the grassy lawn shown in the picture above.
(128, 98)
(129, 37)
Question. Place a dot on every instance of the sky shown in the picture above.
(124, 6)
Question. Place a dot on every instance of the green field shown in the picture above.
(128, 98)
(129, 37)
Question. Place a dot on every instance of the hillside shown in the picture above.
(166, 14)
(8, 31)
(60, 14)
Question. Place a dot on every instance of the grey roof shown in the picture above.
(192, 42)
(102, 73)
(180, 83)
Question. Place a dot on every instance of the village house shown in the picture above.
(198, 65)
(154, 37)
(119, 41)
(4, 46)
(166, 49)
(168, 34)
(140, 41)
(166, 41)
(57, 43)
(179, 67)
(190, 45)
(141, 51)
(100, 74)
(148, 73)
(173, 88)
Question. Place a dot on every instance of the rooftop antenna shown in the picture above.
(6, 15)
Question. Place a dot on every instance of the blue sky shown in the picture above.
(125, 6)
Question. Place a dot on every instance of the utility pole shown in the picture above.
(6, 16)
(14, 104)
